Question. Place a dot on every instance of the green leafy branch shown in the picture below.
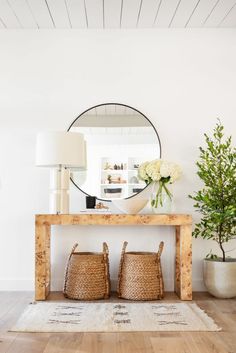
(217, 199)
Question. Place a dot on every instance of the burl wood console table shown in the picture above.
(183, 234)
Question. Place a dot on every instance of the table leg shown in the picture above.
(177, 260)
(42, 261)
(183, 262)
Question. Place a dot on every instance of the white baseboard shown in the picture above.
(57, 285)
(198, 285)
(16, 285)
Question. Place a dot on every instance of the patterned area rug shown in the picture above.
(113, 317)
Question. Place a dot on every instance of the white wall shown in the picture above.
(181, 80)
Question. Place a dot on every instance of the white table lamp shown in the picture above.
(60, 151)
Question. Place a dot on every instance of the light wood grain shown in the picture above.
(222, 311)
(182, 223)
(177, 260)
(185, 262)
(42, 261)
(115, 219)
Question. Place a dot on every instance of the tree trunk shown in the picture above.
(223, 252)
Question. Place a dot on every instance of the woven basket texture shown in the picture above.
(87, 275)
(140, 275)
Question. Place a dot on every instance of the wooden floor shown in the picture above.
(223, 312)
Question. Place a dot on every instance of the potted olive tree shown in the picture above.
(216, 202)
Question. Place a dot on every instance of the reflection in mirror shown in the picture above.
(119, 139)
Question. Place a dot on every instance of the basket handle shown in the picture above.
(161, 246)
(67, 266)
(124, 248)
(106, 265)
(120, 267)
(73, 249)
(123, 252)
(105, 248)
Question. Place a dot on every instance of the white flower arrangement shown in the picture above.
(161, 172)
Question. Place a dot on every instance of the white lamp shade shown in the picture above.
(61, 148)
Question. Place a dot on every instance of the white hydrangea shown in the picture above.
(142, 174)
(153, 169)
(171, 170)
(157, 170)
(165, 169)
(175, 173)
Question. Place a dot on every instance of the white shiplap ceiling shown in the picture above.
(102, 14)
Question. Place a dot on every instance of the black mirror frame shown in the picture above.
(127, 106)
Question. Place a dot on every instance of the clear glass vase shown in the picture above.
(161, 199)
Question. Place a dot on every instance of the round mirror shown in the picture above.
(118, 139)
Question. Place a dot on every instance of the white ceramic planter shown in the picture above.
(220, 278)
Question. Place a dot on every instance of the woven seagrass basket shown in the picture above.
(87, 275)
(140, 275)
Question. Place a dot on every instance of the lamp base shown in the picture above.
(59, 191)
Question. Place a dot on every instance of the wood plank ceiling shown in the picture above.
(102, 14)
